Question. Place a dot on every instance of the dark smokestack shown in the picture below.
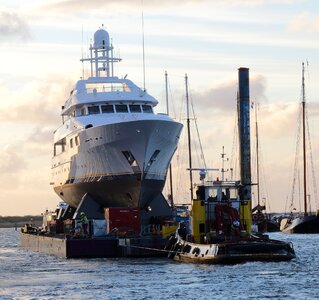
(244, 131)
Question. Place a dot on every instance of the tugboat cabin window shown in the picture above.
(135, 108)
(121, 108)
(147, 109)
(107, 109)
(93, 110)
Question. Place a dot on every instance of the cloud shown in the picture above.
(304, 22)
(13, 27)
(84, 5)
(40, 104)
(222, 96)
(10, 160)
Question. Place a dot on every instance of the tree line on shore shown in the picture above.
(19, 221)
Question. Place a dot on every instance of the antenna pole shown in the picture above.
(82, 55)
(304, 139)
(143, 46)
(189, 140)
(170, 166)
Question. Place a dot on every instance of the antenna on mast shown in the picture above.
(143, 45)
(82, 55)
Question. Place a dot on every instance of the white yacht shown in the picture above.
(111, 145)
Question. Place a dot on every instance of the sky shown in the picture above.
(42, 41)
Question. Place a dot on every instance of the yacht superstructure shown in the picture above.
(111, 144)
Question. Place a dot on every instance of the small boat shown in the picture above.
(221, 217)
(306, 222)
(226, 242)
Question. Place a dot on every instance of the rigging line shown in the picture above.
(180, 118)
(264, 178)
(199, 140)
(172, 97)
(311, 162)
(295, 164)
(297, 157)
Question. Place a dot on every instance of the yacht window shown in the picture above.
(59, 146)
(83, 111)
(106, 109)
(147, 109)
(94, 110)
(121, 108)
(135, 108)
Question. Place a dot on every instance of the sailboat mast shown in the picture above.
(170, 166)
(189, 139)
(257, 157)
(304, 139)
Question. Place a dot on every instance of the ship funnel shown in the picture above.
(244, 145)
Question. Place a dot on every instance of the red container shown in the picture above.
(123, 221)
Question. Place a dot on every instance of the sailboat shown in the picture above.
(306, 222)
(259, 215)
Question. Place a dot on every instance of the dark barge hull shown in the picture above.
(307, 224)
(94, 247)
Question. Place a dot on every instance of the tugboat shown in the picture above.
(221, 211)
(219, 232)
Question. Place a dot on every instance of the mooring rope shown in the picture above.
(147, 248)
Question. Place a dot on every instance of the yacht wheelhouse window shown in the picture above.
(147, 109)
(135, 108)
(121, 108)
(107, 109)
(93, 110)
(102, 87)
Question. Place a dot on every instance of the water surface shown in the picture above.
(30, 275)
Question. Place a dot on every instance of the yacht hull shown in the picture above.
(119, 165)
